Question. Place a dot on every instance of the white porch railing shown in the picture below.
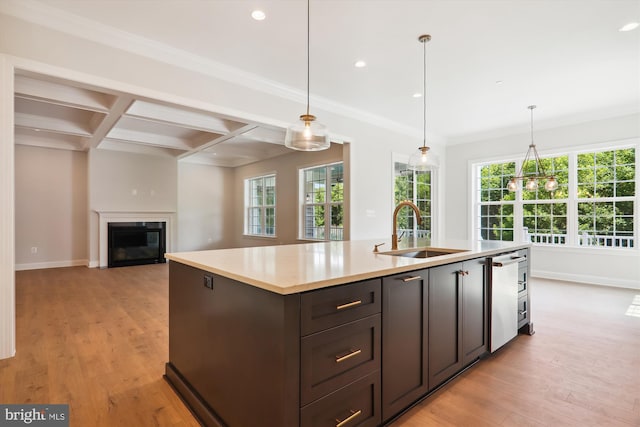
(585, 239)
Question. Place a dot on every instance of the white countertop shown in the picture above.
(289, 269)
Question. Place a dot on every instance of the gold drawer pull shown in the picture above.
(349, 304)
(347, 356)
(353, 415)
(411, 278)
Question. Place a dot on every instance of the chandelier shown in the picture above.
(532, 179)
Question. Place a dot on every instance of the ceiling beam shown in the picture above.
(218, 140)
(65, 95)
(104, 124)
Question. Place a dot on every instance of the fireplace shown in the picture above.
(135, 243)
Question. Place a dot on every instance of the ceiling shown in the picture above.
(487, 61)
(58, 114)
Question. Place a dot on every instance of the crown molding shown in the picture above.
(48, 16)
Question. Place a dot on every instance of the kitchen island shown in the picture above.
(327, 333)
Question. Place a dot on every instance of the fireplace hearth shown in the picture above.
(136, 243)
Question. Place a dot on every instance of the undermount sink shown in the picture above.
(422, 252)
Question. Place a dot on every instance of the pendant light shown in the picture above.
(419, 161)
(307, 134)
(532, 180)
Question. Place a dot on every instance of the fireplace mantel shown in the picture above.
(105, 217)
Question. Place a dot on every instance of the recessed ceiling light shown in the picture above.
(417, 95)
(630, 26)
(258, 15)
(360, 64)
(499, 82)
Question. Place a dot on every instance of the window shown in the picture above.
(606, 194)
(417, 188)
(496, 202)
(545, 213)
(593, 205)
(323, 202)
(260, 206)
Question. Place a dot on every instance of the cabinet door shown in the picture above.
(475, 332)
(445, 326)
(404, 337)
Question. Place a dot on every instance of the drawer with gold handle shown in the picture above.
(333, 358)
(325, 308)
(355, 405)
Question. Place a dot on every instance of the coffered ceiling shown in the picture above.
(487, 61)
(59, 114)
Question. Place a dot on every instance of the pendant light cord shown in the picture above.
(308, 61)
(424, 93)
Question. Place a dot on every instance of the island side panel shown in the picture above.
(236, 346)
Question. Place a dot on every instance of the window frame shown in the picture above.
(430, 234)
(327, 204)
(262, 207)
(573, 238)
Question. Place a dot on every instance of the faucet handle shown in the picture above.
(375, 247)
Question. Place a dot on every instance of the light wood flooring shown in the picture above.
(98, 340)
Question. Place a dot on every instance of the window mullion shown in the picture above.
(572, 201)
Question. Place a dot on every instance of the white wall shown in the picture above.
(128, 182)
(606, 267)
(205, 206)
(51, 207)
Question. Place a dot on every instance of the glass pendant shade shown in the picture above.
(307, 135)
(551, 184)
(532, 184)
(419, 160)
(512, 185)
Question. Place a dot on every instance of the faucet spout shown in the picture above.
(394, 236)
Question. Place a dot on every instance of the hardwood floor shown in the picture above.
(98, 340)
(581, 368)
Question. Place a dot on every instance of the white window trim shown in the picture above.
(572, 241)
(435, 200)
(247, 198)
(327, 213)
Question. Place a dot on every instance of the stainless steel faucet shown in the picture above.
(394, 236)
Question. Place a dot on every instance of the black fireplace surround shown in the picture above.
(136, 243)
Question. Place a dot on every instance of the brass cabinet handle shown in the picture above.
(349, 304)
(347, 356)
(463, 272)
(411, 278)
(353, 415)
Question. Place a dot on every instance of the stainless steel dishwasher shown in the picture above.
(504, 299)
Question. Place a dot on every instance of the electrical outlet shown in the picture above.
(208, 282)
(34, 249)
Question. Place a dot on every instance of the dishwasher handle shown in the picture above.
(508, 262)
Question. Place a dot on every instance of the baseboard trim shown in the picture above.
(52, 264)
(588, 279)
(196, 404)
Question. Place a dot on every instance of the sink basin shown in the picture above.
(422, 252)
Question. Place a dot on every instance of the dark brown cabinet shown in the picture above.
(340, 355)
(475, 310)
(404, 335)
(457, 318)
(353, 355)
